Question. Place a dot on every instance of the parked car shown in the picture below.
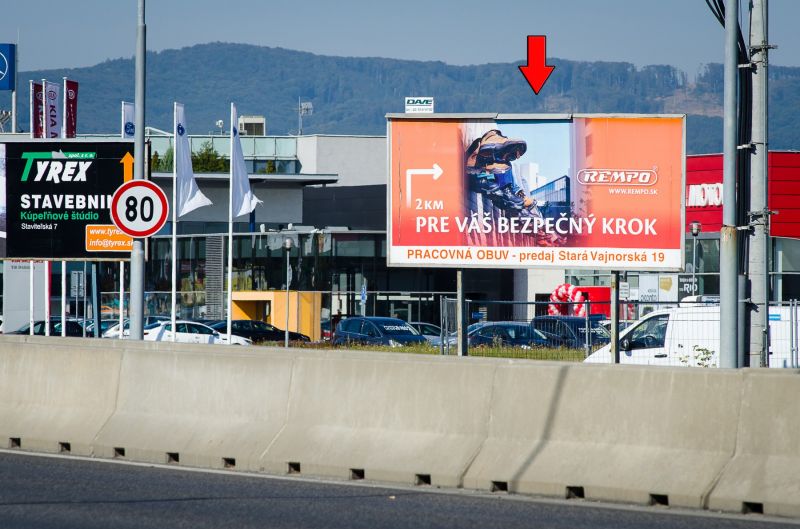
(105, 325)
(431, 332)
(508, 334)
(73, 328)
(113, 331)
(372, 330)
(689, 335)
(570, 331)
(258, 331)
(325, 326)
(190, 332)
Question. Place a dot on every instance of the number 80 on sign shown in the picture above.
(139, 208)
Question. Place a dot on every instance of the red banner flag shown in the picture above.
(70, 108)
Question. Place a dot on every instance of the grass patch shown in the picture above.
(560, 354)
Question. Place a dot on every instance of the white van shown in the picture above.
(689, 336)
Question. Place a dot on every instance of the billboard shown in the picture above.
(600, 192)
(55, 198)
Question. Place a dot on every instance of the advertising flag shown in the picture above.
(188, 195)
(243, 201)
(70, 108)
(8, 66)
(128, 117)
(36, 110)
(52, 109)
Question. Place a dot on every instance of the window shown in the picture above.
(649, 334)
(263, 327)
(351, 325)
(370, 330)
(198, 329)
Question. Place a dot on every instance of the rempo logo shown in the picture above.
(617, 177)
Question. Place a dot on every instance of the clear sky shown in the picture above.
(683, 33)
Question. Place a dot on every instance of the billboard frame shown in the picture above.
(122, 256)
(555, 117)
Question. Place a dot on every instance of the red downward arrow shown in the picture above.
(536, 71)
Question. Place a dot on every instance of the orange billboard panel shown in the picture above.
(601, 192)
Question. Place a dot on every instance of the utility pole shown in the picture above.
(136, 303)
(728, 262)
(759, 254)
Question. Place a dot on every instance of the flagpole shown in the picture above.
(230, 230)
(64, 263)
(174, 214)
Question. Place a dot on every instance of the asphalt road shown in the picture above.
(58, 493)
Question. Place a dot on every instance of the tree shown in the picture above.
(208, 160)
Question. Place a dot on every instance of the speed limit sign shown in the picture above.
(139, 208)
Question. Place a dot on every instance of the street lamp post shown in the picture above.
(287, 245)
(695, 228)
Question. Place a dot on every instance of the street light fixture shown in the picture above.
(287, 245)
(695, 228)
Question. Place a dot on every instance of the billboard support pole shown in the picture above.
(460, 311)
(614, 316)
(63, 298)
(728, 288)
(95, 301)
(136, 304)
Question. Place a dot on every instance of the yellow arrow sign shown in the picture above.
(127, 166)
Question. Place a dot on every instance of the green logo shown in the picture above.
(50, 164)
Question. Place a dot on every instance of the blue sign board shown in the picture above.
(8, 66)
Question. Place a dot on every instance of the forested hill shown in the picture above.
(352, 95)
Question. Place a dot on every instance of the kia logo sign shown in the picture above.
(617, 177)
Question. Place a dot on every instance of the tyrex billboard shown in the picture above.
(55, 198)
(599, 192)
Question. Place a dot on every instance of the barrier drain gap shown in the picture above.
(499, 486)
(422, 480)
(119, 452)
(15, 442)
(173, 458)
(575, 493)
(228, 462)
(293, 467)
(659, 500)
(356, 473)
(752, 507)
(64, 448)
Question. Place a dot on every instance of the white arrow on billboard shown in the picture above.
(434, 171)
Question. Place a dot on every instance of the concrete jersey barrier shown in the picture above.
(718, 439)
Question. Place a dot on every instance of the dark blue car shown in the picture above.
(570, 331)
(507, 334)
(376, 331)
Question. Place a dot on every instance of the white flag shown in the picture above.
(52, 109)
(243, 201)
(188, 195)
(128, 120)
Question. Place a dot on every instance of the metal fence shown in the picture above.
(650, 333)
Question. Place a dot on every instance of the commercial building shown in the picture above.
(328, 195)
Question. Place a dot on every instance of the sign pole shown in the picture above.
(30, 299)
(63, 298)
